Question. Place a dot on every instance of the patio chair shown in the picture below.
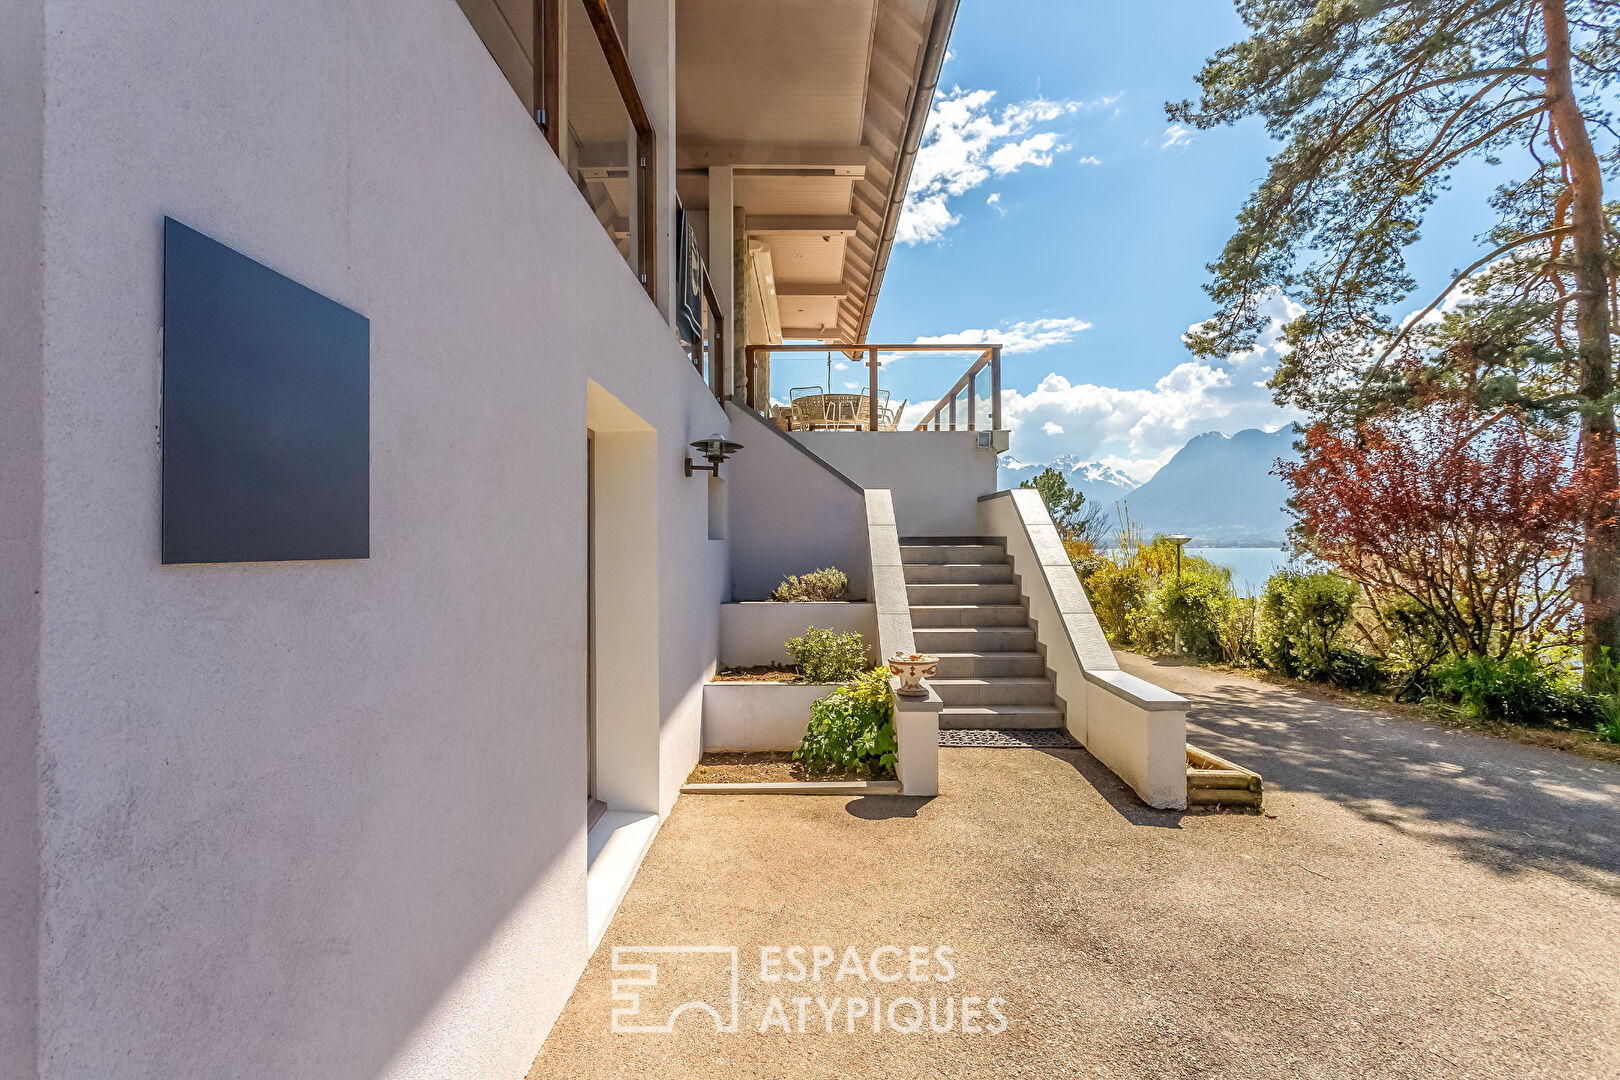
(863, 409)
(890, 421)
(809, 407)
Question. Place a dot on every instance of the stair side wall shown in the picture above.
(1141, 736)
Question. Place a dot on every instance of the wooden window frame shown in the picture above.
(548, 96)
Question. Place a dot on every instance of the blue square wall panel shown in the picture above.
(266, 412)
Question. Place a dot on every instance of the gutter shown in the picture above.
(939, 35)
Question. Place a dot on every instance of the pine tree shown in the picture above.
(1376, 101)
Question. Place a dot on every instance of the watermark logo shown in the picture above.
(663, 981)
(801, 989)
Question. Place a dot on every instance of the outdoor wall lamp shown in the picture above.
(716, 448)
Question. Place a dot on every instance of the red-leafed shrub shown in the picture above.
(1480, 527)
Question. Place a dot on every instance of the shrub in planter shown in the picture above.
(829, 583)
(826, 656)
(852, 729)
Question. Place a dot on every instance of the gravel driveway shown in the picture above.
(1423, 903)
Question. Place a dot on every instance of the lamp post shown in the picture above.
(1180, 540)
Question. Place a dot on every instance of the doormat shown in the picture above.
(1010, 739)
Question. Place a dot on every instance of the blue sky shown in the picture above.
(1053, 208)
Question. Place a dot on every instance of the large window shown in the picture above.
(697, 312)
(567, 61)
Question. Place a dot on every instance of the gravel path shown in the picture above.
(1424, 903)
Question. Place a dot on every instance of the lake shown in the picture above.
(1250, 566)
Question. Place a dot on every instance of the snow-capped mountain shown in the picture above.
(1100, 483)
(1219, 489)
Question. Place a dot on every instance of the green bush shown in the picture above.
(1513, 688)
(826, 584)
(1190, 611)
(852, 729)
(1238, 631)
(825, 656)
(1349, 669)
(1414, 644)
(1605, 702)
(1117, 591)
(1300, 619)
(1608, 725)
(1141, 604)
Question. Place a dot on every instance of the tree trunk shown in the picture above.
(1601, 555)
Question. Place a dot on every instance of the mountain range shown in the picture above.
(1218, 489)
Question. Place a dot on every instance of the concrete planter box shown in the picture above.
(739, 716)
(752, 633)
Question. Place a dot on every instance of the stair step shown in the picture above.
(958, 573)
(1025, 717)
(998, 592)
(952, 553)
(931, 615)
(991, 665)
(974, 639)
(972, 691)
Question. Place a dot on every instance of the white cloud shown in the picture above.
(995, 197)
(1089, 159)
(1176, 135)
(1138, 430)
(967, 142)
(1018, 337)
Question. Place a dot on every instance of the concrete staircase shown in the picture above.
(966, 608)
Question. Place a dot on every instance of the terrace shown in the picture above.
(1130, 942)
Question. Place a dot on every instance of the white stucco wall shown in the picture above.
(324, 819)
(755, 633)
(936, 476)
(22, 119)
(789, 513)
(745, 716)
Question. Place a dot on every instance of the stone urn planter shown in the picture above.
(912, 669)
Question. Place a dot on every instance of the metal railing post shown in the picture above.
(953, 412)
(973, 398)
(872, 401)
(995, 388)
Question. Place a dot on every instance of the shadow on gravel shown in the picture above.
(884, 807)
(1506, 806)
(1119, 794)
